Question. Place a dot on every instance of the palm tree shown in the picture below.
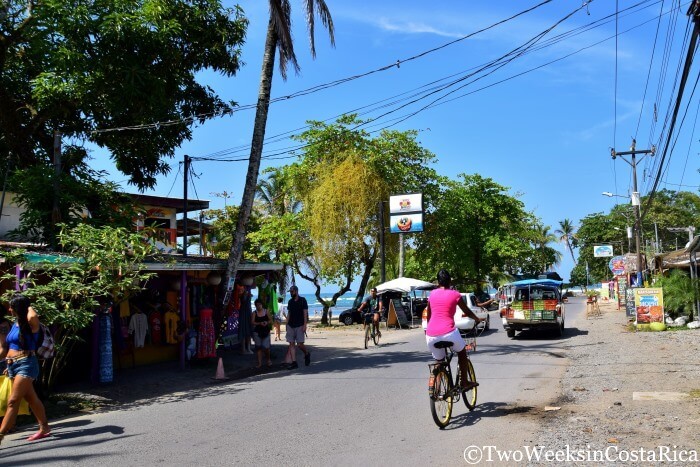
(279, 38)
(542, 238)
(273, 199)
(566, 234)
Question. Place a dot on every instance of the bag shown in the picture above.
(45, 346)
(5, 393)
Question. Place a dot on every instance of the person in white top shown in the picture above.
(279, 316)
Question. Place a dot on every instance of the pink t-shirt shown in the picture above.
(443, 304)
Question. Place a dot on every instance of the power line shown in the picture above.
(313, 89)
(394, 100)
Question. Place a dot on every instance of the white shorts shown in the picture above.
(453, 336)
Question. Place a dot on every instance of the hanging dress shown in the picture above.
(206, 347)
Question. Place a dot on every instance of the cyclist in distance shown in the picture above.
(442, 305)
(372, 304)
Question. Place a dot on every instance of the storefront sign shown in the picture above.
(631, 311)
(617, 265)
(406, 213)
(621, 291)
(649, 304)
(602, 251)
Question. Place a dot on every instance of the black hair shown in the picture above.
(443, 278)
(20, 305)
(374, 289)
(257, 300)
(280, 299)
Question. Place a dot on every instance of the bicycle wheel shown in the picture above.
(470, 395)
(441, 402)
(367, 333)
(375, 336)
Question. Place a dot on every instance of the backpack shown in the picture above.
(45, 345)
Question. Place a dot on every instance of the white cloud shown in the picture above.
(411, 27)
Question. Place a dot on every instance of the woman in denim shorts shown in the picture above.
(23, 366)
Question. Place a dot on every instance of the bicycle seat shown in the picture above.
(443, 344)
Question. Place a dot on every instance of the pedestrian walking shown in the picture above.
(261, 332)
(23, 366)
(297, 319)
(279, 316)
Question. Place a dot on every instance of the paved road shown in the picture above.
(350, 407)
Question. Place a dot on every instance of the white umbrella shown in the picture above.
(405, 285)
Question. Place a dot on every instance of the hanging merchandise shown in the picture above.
(229, 331)
(244, 325)
(264, 293)
(206, 347)
(138, 326)
(238, 290)
(106, 369)
(272, 306)
(191, 344)
(171, 319)
(155, 322)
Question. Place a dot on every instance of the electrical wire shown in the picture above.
(323, 86)
(179, 167)
(429, 87)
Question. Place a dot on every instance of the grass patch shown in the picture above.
(679, 328)
(695, 393)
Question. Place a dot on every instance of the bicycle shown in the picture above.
(371, 331)
(443, 390)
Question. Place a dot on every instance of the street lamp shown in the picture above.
(610, 195)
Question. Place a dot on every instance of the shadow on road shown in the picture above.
(486, 410)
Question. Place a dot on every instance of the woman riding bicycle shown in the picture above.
(442, 305)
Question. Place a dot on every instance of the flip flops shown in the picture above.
(38, 435)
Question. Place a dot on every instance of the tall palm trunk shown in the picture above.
(251, 180)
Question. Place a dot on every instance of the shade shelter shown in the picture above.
(404, 285)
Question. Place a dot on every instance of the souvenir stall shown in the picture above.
(155, 327)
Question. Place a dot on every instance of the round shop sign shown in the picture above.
(617, 265)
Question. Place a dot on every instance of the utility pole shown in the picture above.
(183, 275)
(401, 253)
(382, 256)
(635, 197)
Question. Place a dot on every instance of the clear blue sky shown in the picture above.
(546, 134)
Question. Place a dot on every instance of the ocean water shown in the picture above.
(315, 308)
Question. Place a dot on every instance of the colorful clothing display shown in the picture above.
(244, 325)
(106, 367)
(154, 321)
(206, 347)
(138, 326)
(171, 320)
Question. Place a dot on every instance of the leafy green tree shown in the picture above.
(81, 67)
(223, 221)
(85, 197)
(279, 39)
(566, 235)
(342, 176)
(99, 263)
(668, 209)
(275, 200)
(545, 254)
(475, 227)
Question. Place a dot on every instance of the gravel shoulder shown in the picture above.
(598, 411)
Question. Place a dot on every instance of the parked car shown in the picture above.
(350, 316)
(532, 304)
(464, 323)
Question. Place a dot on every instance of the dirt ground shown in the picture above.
(602, 406)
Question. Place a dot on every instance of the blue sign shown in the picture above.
(617, 265)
